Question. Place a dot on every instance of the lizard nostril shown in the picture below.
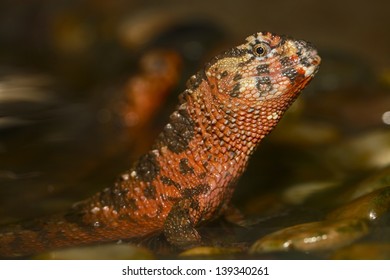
(316, 60)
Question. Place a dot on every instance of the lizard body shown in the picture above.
(187, 177)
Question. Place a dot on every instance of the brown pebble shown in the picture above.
(315, 236)
(370, 206)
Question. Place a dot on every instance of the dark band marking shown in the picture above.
(305, 62)
(286, 61)
(263, 84)
(169, 182)
(116, 198)
(224, 74)
(262, 69)
(194, 205)
(165, 197)
(147, 167)
(234, 52)
(290, 73)
(237, 77)
(235, 92)
(150, 192)
(178, 133)
(264, 80)
(132, 204)
(184, 168)
(195, 191)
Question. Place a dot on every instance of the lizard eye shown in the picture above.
(261, 49)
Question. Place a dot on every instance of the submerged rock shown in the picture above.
(371, 206)
(315, 236)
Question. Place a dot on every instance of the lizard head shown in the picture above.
(262, 76)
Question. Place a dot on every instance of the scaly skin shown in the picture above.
(188, 176)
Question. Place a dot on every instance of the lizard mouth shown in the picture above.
(312, 69)
(310, 61)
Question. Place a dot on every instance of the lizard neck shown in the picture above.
(226, 130)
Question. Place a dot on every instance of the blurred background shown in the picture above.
(355, 26)
(85, 87)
